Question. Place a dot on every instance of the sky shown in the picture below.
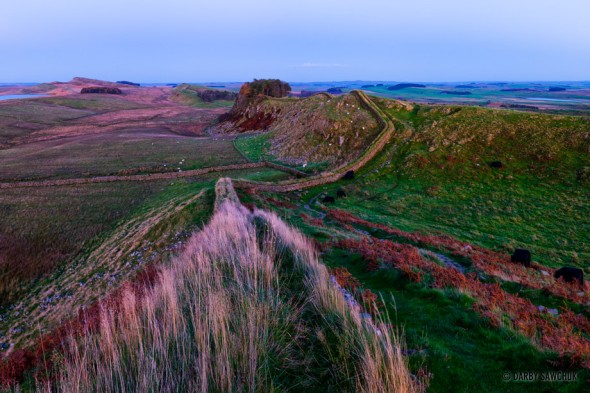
(295, 40)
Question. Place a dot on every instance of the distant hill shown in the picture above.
(401, 86)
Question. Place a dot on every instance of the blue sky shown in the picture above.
(295, 40)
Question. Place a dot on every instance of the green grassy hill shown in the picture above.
(315, 133)
(434, 179)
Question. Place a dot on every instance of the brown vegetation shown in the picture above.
(247, 306)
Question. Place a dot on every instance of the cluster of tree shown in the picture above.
(214, 95)
(101, 90)
(269, 87)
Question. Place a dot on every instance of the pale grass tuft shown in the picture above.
(235, 313)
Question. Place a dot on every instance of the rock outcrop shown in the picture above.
(246, 115)
(319, 129)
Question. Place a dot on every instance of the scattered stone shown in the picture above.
(522, 256)
(553, 311)
(570, 274)
(348, 175)
(328, 199)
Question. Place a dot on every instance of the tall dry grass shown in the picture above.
(247, 307)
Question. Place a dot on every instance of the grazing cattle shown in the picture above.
(328, 199)
(496, 164)
(348, 175)
(340, 194)
(522, 256)
(570, 274)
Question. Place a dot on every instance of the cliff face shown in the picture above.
(253, 110)
(322, 128)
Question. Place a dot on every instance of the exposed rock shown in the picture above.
(521, 256)
(328, 199)
(570, 274)
(322, 128)
(348, 175)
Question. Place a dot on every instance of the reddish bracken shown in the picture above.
(488, 261)
(368, 300)
(316, 222)
(13, 368)
(345, 279)
(564, 334)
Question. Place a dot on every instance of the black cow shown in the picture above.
(496, 164)
(328, 199)
(341, 194)
(348, 175)
(570, 274)
(522, 256)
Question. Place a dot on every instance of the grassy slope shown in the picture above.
(87, 227)
(319, 132)
(247, 306)
(461, 349)
(434, 179)
(187, 95)
(122, 152)
(437, 178)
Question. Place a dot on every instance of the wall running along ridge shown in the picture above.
(388, 128)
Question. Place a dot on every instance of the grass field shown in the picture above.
(430, 190)
(246, 305)
(434, 177)
(123, 152)
(83, 240)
